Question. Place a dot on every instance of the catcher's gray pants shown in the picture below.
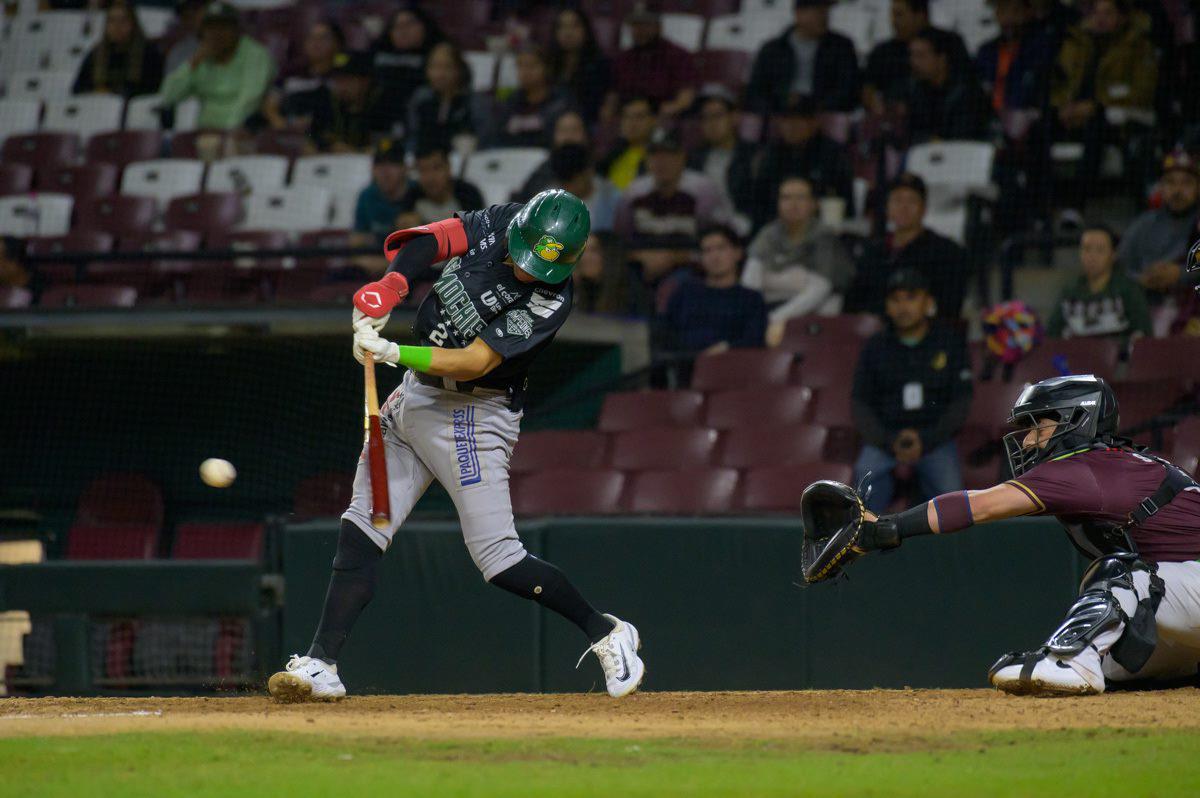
(464, 441)
(1178, 619)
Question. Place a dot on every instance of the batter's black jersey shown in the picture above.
(477, 295)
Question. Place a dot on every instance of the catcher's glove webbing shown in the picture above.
(835, 530)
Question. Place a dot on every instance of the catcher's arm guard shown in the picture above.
(836, 531)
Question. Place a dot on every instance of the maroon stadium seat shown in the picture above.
(741, 368)
(992, 403)
(249, 240)
(705, 8)
(14, 298)
(74, 241)
(338, 293)
(548, 449)
(1185, 452)
(1165, 358)
(980, 451)
(324, 495)
(120, 214)
(729, 68)
(41, 150)
(183, 145)
(663, 447)
(89, 296)
(694, 491)
(15, 178)
(123, 147)
(829, 366)
(288, 143)
(218, 542)
(832, 407)
(1141, 401)
(562, 491)
(805, 333)
(768, 444)
(112, 541)
(757, 406)
(121, 498)
(771, 489)
(81, 182)
(171, 240)
(634, 409)
(205, 213)
(329, 239)
(1079, 356)
(292, 285)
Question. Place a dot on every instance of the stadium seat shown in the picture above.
(1185, 452)
(501, 171)
(290, 144)
(563, 491)
(155, 22)
(992, 403)
(742, 368)
(768, 444)
(205, 213)
(808, 332)
(167, 241)
(247, 240)
(164, 179)
(18, 116)
(339, 293)
(218, 542)
(120, 498)
(1163, 358)
(703, 8)
(89, 296)
(123, 147)
(119, 215)
(323, 495)
(750, 407)
(346, 174)
(743, 33)
(685, 30)
(15, 178)
(112, 541)
(246, 174)
(1055, 356)
(952, 171)
(41, 150)
(854, 22)
(296, 285)
(692, 491)
(483, 69)
(831, 366)
(980, 452)
(13, 298)
(82, 182)
(83, 114)
(143, 112)
(548, 449)
(40, 85)
(35, 215)
(75, 241)
(663, 447)
(729, 68)
(210, 144)
(295, 209)
(1139, 402)
(773, 489)
(637, 409)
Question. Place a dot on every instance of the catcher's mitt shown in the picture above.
(836, 532)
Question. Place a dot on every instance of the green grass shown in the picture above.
(1094, 764)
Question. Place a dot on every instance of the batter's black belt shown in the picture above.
(513, 397)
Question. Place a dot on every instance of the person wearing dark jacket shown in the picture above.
(1015, 66)
(577, 62)
(723, 155)
(398, 58)
(444, 108)
(435, 191)
(124, 62)
(885, 80)
(910, 246)
(807, 58)
(911, 396)
(347, 115)
(526, 118)
(943, 103)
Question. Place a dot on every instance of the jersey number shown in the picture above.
(437, 336)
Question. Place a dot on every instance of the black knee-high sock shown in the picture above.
(538, 580)
(351, 588)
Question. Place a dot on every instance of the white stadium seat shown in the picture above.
(142, 113)
(855, 22)
(85, 114)
(40, 85)
(952, 171)
(506, 74)
(18, 115)
(187, 115)
(483, 69)
(745, 33)
(246, 174)
(295, 209)
(155, 21)
(163, 178)
(686, 30)
(501, 171)
(36, 215)
(343, 176)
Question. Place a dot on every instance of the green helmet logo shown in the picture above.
(549, 234)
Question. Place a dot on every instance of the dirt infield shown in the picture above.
(839, 718)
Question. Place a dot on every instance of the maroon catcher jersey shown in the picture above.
(1105, 485)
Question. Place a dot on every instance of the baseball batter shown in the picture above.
(503, 293)
(1136, 516)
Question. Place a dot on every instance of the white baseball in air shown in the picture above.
(217, 473)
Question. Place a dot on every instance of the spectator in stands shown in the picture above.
(444, 109)
(602, 280)
(569, 128)
(293, 104)
(798, 264)
(653, 67)
(437, 194)
(12, 272)
(626, 160)
(660, 214)
(807, 59)
(398, 58)
(912, 392)
(574, 171)
(910, 246)
(886, 78)
(943, 102)
(526, 118)
(347, 117)
(801, 150)
(229, 72)
(1103, 301)
(717, 312)
(124, 62)
(577, 63)
(181, 42)
(381, 202)
(725, 157)
(1107, 63)
(1153, 248)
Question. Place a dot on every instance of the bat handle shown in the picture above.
(376, 458)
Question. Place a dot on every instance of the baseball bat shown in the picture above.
(381, 510)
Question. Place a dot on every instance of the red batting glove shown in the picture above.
(378, 298)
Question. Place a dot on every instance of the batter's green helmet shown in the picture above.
(547, 237)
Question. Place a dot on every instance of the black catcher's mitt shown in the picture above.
(836, 531)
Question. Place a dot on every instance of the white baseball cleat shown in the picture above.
(1042, 674)
(617, 652)
(306, 679)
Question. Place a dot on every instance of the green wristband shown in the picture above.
(416, 357)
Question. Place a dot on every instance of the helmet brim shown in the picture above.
(529, 261)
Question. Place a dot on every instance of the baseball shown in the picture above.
(217, 473)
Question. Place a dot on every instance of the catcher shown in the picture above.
(1136, 516)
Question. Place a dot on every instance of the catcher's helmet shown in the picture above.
(1083, 406)
(547, 237)
(1193, 263)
